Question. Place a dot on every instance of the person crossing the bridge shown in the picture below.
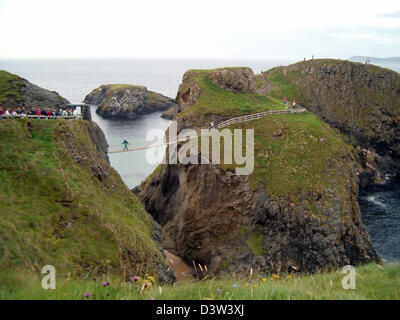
(125, 143)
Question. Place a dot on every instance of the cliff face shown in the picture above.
(297, 211)
(64, 205)
(127, 101)
(214, 218)
(18, 92)
(362, 101)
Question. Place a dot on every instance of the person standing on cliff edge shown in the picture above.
(125, 143)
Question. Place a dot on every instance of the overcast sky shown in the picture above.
(201, 28)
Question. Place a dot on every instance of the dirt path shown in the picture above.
(182, 270)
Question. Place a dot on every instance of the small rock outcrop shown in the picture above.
(239, 80)
(188, 92)
(127, 101)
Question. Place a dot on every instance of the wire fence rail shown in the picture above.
(221, 125)
(256, 116)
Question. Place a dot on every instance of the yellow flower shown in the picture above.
(289, 277)
(264, 280)
(309, 293)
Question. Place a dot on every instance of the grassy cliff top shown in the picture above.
(283, 78)
(9, 87)
(60, 204)
(215, 100)
(296, 153)
(118, 87)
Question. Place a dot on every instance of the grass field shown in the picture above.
(372, 282)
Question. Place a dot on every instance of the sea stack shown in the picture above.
(125, 101)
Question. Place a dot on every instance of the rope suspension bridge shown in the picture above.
(221, 125)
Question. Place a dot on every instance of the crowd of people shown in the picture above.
(42, 112)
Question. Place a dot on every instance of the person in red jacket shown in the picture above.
(38, 112)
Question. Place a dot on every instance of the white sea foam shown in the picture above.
(376, 202)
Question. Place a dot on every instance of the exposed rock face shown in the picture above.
(188, 93)
(170, 114)
(25, 94)
(35, 96)
(127, 101)
(212, 217)
(362, 101)
(98, 138)
(235, 79)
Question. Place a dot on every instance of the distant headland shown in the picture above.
(375, 59)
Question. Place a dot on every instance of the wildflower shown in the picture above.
(234, 286)
(289, 277)
(309, 293)
(152, 298)
(264, 280)
(105, 284)
(218, 290)
(87, 295)
(145, 285)
(135, 278)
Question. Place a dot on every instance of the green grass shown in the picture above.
(9, 87)
(293, 153)
(117, 87)
(282, 86)
(43, 191)
(214, 100)
(372, 282)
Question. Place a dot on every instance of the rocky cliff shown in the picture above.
(18, 92)
(215, 95)
(127, 101)
(362, 101)
(297, 211)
